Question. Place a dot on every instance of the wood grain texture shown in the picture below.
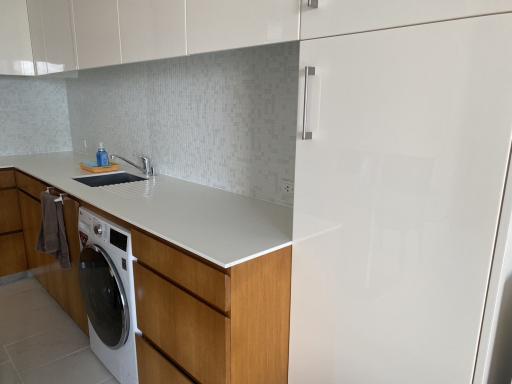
(7, 179)
(62, 284)
(10, 218)
(12, 254)
(29, 184)
(75, 305)
(154, 368)
(187, 330)
(31, 218)
(202, 280)
(260, 319)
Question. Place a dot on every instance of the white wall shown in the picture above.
(33, 116)
(226, 120)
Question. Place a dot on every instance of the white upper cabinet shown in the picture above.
(152, 29)
(397, 201)
(226, 24)
(51, 31)
(15, 47)
(97, 33)
(334, 17)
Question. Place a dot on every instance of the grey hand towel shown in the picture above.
(52, 236)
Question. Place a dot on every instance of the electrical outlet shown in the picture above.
(287, 186)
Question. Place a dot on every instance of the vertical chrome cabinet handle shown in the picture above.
(306, 135)
(312, 3)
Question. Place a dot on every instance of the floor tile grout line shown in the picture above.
(18, 374)
(58, 359)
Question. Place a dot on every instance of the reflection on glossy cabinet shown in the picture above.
(335, 17)
(226, 24)
(152, 29)
(97, 33)
(392, 253)
(15, 48)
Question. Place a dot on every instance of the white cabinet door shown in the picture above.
(51, 31)
(226, 24)
(59, 36)
(152, 29)
(97, 33)
(397, 199)
(35, 17)
(335, 17)
(15, 48)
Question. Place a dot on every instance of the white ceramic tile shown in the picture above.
(33, 116)
(8, 374)
(59, 341)
(225, 119)
(80, 368)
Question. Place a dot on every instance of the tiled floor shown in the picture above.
(40, 344)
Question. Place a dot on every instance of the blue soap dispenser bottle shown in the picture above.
(102, 156)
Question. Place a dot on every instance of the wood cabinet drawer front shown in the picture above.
(7, 179)
(187, 330)
(154, 368)
(10, 219)
(12, 254)
(204, 281)
(30, 185)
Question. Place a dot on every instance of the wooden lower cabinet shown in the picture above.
(156, 369)
(10, 220)
(62, 284)
(12, 254)
(248, 344)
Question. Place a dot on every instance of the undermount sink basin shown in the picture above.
(108, 179)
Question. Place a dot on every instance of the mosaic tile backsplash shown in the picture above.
(33, 116)
(226, 120)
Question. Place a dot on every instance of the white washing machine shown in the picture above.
(106, 280)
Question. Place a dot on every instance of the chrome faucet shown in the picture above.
(146, 168)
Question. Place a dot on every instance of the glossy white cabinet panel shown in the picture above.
(51, 31)
(152, 29)
(97, 33)
(35, 17)
(15, 48)
(334, 17)
(59, 36)
(226, 24)
(397, 199)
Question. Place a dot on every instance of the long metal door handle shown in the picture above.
(306, 135)
(312, 3)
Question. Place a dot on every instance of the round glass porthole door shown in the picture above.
(104, 297)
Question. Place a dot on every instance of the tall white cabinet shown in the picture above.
(334, 17)
(397, 199)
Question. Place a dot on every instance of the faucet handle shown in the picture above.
(146, 164)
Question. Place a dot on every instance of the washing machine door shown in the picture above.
(105, 300)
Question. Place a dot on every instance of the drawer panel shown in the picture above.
(29, 185)
(10, 218)
(204, 281)
(7, 179)
(187, 330)
(154, 368)
(12, 254)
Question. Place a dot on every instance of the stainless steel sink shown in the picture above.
(108, 179)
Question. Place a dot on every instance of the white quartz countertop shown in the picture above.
(222, 227)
